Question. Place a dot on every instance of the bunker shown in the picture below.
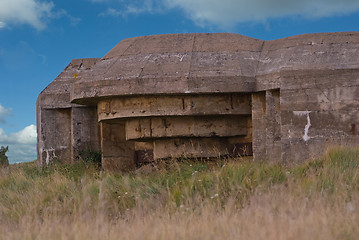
(204, 96)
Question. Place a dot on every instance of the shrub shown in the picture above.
(91, 156)
(3, 158)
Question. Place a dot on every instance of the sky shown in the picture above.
(39, 38)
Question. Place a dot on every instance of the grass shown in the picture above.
(228, 199)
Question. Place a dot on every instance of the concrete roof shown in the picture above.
(209, 63)
(311, 51)
(173, 64)
(57, 93)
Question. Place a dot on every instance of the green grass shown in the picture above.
(179, 182)
(82, 189)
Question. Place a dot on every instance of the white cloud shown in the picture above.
(99, 1)
(227, 13)
(33, 12)
(22, 144)
(4, 112)
(135, 7)
(61, 13)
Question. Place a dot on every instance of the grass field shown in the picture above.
(228, 199)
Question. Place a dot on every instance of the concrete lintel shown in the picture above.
(144, 106)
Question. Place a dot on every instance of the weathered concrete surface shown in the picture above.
(204, 96)
(117, 153)
(64, 129)
(185, 105)
(259, 123)
(319, 109)
(57, 94)
(164, 127)
(306, 52)
(56, 144)
(199, 148)
(173, 64)
(85, 131)
(273, 126)
(266, 117)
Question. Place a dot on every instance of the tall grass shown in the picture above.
(232, 199)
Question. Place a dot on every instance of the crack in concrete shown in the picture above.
(321, 90)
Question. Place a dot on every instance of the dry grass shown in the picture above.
(238, 199)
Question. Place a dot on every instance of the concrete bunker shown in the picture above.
(204, 96)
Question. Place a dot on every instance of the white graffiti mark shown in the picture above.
(307, 126)
(306, 129)
(48, 153)
(300, 113)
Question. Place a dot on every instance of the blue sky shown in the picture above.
(38, 39)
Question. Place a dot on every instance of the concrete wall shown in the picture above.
(85, 131)
(117, 153)
(54, 135)
(319, 108)
(273, 125)
(66, 132)
(266, 120)
(313, 110)
(259, 125)
(65, 129)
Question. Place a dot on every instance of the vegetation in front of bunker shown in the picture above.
(224, 192)
(4, 161)
(91, 157)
